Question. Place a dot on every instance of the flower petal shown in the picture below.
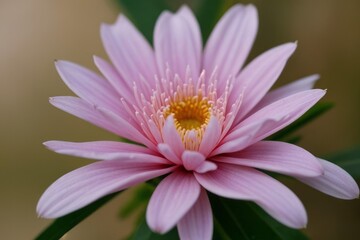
(300, 85)
(89, 183)
(278, 157)
(84, 110)
(171, 200)
(171, 137)
(129, 51)
(258, 77)
(245, 183)
(198, 222)
(335, 182)
(244, 136)
(106, 150)
(168, 153)
(211, 136)
(192, 159)
(231, 40)
(177, 43)
(206, 166)
(273, 117)
(94, 150)
(87, 85)
(122, 87)
(125, 129)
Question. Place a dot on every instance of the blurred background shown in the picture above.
(33, 33)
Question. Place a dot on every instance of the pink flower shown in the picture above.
(201, 119)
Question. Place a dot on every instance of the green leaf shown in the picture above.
(140, 197)
(143, 13)
(292, 139)
(208, 12)
(246, 221)
(62, 225)
(316, 111)
(349, 160)
(143, 232)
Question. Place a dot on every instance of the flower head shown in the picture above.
(200, 118)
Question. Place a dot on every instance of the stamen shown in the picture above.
(191, 103)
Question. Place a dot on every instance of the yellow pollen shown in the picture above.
(191, 113)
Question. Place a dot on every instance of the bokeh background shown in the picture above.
(35, 32)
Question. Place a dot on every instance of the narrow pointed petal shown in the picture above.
(117, 82)
(87, 184)
(258, 77)
(198, 222)
(192, 159)
(88, 85)
(177, 43)
(278, 157)
(335, 182)
(131, 54)
(244, 136)
(125, 129)
(211, 137)
(245, 183)
(106, 150)
(231, 40)
(172, 138)
(300, 85)
(274, 117)
(171, 200)
(99, 150)
(84, 110)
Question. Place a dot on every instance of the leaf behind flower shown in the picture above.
(237, 219)
(349, 160)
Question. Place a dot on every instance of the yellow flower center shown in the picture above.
(191, 113)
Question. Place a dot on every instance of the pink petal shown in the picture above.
(335, 182)
(273, 117)
(177, 42)
(198, 222)
(258, 76)
(125, 129)
(171, 137)
(211, 136)
(100, 150)
(171, 200)
(206, 166)
(118, 83)
(277, 157)
(300, 85)
(192, 159)
(245, 183)
(88, 85)
(89, 183)
(106, 150)
(84, 110)
(231, 40)
(244, 137)
(168, 153)
(129, 51)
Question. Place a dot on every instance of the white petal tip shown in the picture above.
(299, 225)
(252, 7)
(354, 194)
(184, 8)
(60, 63)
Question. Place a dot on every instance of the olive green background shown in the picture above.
(35, 32)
